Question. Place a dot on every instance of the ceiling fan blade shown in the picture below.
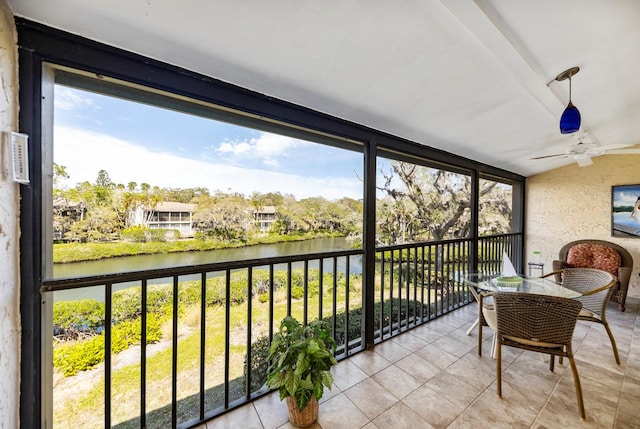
(623, 152)
(584, 162)
(558, 155)
(601, 149)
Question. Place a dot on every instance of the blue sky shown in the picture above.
(145, 144)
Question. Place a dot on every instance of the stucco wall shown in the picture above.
(9, 297)
(572, 203)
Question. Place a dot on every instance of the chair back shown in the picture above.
(594, 285)
(536, 318)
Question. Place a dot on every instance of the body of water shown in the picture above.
(125, 264)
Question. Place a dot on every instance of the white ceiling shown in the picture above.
(474, 78)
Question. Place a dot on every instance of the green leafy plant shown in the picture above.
(301, 358)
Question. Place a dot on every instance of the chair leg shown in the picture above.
(494, 342)
(613, 341)
(576, 380)
(473, 326)
(479, 337)
(552, 360)
(499, 368)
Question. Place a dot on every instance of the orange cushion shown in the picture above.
(586, 255)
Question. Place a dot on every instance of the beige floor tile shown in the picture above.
(396, 381)
(628, 415)
(437, 356)
(401, 417)
(410, 342)
(455, 346)
(441, 326)
(271, 410)
(431, 407)
(244, 417)
(426, 333)
(489, 411)
(631, 388)
(371, 398)
(346, 374)
(392, 350)
(340, 413)
(454, 389)
(289, 425)
(370, 362)
(419, 368)
(477, 371)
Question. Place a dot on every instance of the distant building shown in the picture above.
(264, 217)
(65, 213)
(168, 215)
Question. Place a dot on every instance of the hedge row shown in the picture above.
(87, 316)
(74, 357)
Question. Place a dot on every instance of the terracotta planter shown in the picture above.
(305, 417)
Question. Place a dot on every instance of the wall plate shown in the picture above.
(20, 157)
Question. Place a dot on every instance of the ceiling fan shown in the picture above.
(583, 152)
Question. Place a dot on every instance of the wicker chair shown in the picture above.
(623, 272)
(539, 323)
(596, 287)
(485, 309)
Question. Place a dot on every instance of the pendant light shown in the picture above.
(570, 119)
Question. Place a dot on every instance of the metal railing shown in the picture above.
(221, 317)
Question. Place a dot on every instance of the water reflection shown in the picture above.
(169, 260)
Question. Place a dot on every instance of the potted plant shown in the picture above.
(300, 361)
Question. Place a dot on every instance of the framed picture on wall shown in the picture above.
(625, 211)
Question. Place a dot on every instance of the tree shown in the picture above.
(223, 216)
(433, 204)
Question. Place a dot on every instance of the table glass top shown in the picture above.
(537, 286)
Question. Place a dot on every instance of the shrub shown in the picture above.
(126, 304)
(216, 290)
(142, 234)
(80, 356)
(136, 234)
(71, 358)
(297, 292)
(84, 314)
(259, 363)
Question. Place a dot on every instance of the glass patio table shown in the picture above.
(485, 284)
(488, 283)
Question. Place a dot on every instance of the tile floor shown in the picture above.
(432, 377)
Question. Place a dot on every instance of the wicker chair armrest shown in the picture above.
(624, 275)
(559, 266)
(600, 289)
(556, 273)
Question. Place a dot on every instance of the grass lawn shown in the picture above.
(86, 410)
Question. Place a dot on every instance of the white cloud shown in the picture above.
(267, 148)
(84, 153)
(68, 99)
(235, 148)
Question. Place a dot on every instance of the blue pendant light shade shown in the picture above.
(570, 119)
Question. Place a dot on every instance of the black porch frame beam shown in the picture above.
(40, 44)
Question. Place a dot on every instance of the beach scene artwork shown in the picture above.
(625, 211)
